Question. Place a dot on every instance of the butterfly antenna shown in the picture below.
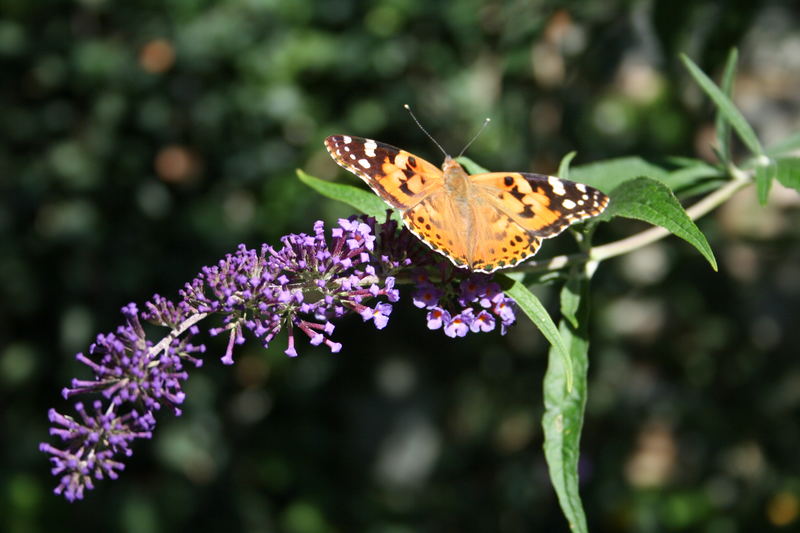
(485, 123)
(408, 108)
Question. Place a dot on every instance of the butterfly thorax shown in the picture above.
(456, 180)
(459, 210)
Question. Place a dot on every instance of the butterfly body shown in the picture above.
(483, 222)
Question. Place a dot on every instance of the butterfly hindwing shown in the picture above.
(400, 178)
(488, 241)
(543, 205)
(432, 220)
(500, 242)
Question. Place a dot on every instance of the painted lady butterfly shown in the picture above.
(483, 222)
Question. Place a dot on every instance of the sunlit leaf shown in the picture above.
(723, 126)
(533, 308)
(786, 146)
(365, 201)
(788, 172)
(562, 421)
(606, 175)
(471, 166)
(725, 106)
(649, 200)
(689, 176)
(766, 171)
(570, 300)
(563, 167)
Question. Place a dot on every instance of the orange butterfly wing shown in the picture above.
(483, 239)
(401, 179)
(543, 205)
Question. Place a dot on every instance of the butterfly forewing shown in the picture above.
(543, 205)
(400, 178)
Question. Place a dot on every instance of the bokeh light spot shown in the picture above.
(175, 164)
(157, 56)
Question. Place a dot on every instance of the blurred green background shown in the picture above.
(141, 140)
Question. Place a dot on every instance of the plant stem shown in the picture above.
(164, 343)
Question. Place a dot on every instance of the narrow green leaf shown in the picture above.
(722, 125)
(725, 106)
(701, 187)
(533, 308)
(563, 167)
(682, 161)
(766, 170)
(365, 201)
(570, 299)
(689, 176)
(649, 200)
(606, 175)
(471, 166)
(562, 421)
(789, 144)
(788, 172)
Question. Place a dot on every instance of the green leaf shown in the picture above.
(701, 187)
(785, 146)
(723, 127)
(649, 200)
(471, 166)
(766, 170)
(606, 175)
(562, 421)
(725, 106)
(689, 176)
(570, 299)
(563, 167)
(788, 172)
(365, 201)
(681, 161)
(533, 308)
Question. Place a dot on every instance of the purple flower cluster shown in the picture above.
(475, 306)
(302, 287)
(133, 379)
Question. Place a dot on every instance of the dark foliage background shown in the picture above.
(141, 140)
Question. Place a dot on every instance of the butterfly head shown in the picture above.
(455, 177)
(451, 167)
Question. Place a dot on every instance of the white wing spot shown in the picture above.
(347, 140)
(400, 160)
(353, 157)
(581, 187)
(585, 197)
(346, 148)
(580, 202)
(364, 163)
(369, 148)
(569, 204)
(558, 185)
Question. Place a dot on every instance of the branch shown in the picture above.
(164, 343)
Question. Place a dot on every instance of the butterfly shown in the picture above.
(482, 222)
